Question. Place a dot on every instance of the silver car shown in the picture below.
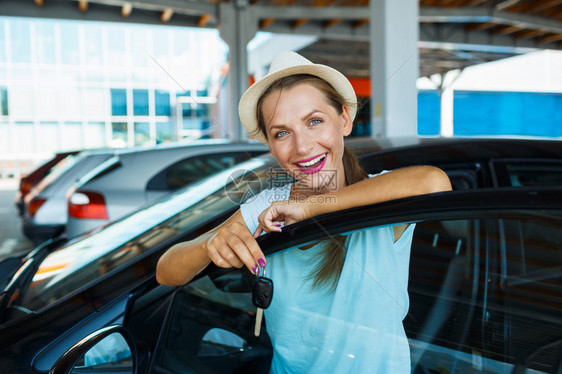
(130, 180)
(45, 209)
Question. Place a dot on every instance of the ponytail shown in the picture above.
(328, 271)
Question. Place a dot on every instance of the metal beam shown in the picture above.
(96, 10)
(178, 6)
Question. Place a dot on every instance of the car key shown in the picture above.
(262, 293)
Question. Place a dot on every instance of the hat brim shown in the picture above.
(247, 109)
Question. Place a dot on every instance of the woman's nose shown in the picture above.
(303, 143)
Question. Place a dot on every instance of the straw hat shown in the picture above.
(283, 65)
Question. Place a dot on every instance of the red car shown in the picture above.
(28, 181)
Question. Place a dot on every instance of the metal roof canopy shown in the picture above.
(453, 34)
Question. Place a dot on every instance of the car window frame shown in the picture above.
(500, 172)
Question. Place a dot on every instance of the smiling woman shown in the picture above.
(303, 112)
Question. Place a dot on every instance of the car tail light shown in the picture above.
(25, 187)
(34, 205)
(87, 205)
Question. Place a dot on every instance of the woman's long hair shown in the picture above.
(327, 272)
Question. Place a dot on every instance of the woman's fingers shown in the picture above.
(258, 231)
(270, 219)
(234, 246)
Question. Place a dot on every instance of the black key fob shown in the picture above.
(262, 292)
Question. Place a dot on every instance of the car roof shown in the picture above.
(201, 143)
(412, 151)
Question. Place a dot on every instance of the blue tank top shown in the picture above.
(355, 329)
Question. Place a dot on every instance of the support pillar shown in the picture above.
(446, 95)
(394, 32)
(237, 28)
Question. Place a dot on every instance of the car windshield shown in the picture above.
(91, 257)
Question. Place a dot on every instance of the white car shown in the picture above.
(130, 180)
(44, 209)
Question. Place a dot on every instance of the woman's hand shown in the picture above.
(281, 211)
(232, 245)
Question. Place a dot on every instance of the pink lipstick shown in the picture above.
(311, 165)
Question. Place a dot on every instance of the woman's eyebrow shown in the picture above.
(310, 114)
(272, 127)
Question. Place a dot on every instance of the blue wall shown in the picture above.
(429, 113)
(494, 113)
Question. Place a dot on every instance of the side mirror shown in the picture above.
(109, 349)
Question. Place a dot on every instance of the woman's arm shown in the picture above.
(228, 245)
(411, 181)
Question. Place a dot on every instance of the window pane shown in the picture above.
(161, 45)
(23, 75)
(119, 135)
(93, 44)
(164, 132)
(96, 103)
(142, 133)
(45, 42)
(71, 97)
(162, 103)
(117, 55)
(3, 36)
(4, 136)
(70, 52)
(20, 40)
(139, 42)
(118, 102)
(203, 110)
(3, 101)
(187, 110)
(48, 140)
(140, 102)
(20, 102)
(95, 135)
(23, 137)
(71, 136)
(46, 103)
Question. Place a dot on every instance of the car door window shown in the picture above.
(195, 168)
(209, 329)
(535, 175)
(530, 328)
(443, 289)
(527, 173)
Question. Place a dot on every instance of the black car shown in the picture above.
(485, 284)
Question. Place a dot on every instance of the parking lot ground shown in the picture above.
(12, 239)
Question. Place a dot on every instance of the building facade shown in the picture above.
(67, 85)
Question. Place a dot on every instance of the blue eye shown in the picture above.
(315, 121)
(280, 133)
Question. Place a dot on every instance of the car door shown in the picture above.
(462, 309)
